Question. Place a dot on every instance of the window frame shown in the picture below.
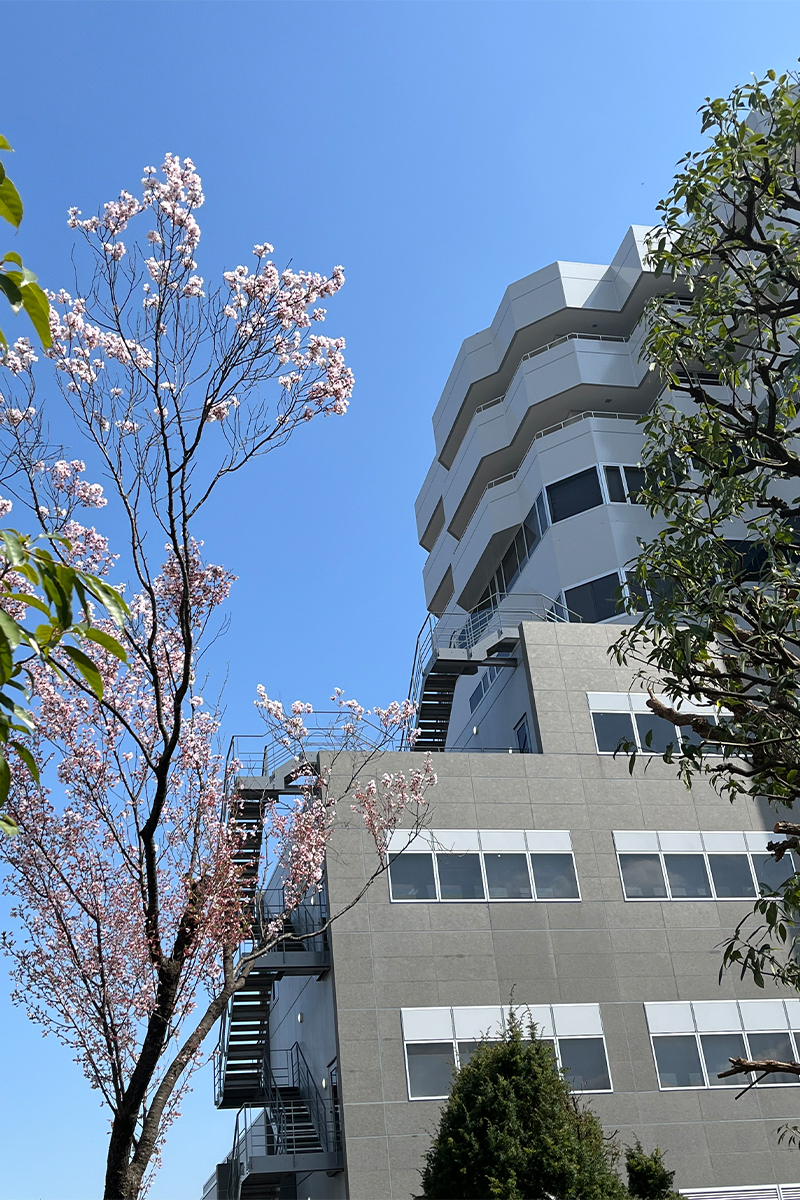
(551, 1036)
(792, 1033)
(600, 479)
(633, 711)
(431, 848)
(623, 467)
(706, 856)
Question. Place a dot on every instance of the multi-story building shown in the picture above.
(550, 877)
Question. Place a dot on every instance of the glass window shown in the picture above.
(616, 488)
(777, 1046)
(541, 509)
(460, 876)
(594, 601)
(637, 591)
(411, 877)
(642, 877)
(691, 738)
(554, 877)
(430, 1069)
(678, 1061)
(731, 875)
(466, 1051)
(574, 495)
(523, 737)
(507, 877)
(531, 527)
(585, 1064)
(611, 729)
(661, 733)
(634, 477)
(718, 1050)
(510, 565)
(771, 875)
(476, 697)
(688, 877)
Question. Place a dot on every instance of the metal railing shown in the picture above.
(460, 631)
(585, 416)
(263, 754)
(304, 926)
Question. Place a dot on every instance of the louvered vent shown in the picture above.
(787, 1191)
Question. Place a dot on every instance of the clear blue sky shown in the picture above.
(437, 150)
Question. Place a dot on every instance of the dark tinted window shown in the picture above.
(635, 480)
(554, 877)
(642, 877)
(637, 591)
(594, 601)
(771, 875)
(678, 1061)
(531, 527)
(718, 1050)
(777, 1046)
(585, 1065)
(731, 875)
(611, 729)
(656, 734)
(523, 736)
(460, 876)
(616, 488)
(411, 877)
(507, 877)
(574, 495)
(687, 875)
(430, 1068)
(510, 565)
(689, 736)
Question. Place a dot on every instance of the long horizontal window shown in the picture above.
(597, 600)
(479, 865)
(622, 720)
(692, 865)
(439, 1041)
(693, 1041)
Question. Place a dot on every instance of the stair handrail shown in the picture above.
(278, 1116)
(307, 921)
(319, 1109)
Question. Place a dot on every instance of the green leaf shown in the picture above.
(8, 825)
(37, 307)
(34, 601)
(87, 669)
(10, 204)
(5, 145)
(27, 758)
(11, 290)
(107, 642)
(108, 596)
(12, 256)
(5, 778)
(11, 629)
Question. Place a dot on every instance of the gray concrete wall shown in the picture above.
(606, 950)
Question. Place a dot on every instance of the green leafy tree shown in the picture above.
(16, 280)
(720, 584)
(512, 1129)
(648, 1177)
(52, 591)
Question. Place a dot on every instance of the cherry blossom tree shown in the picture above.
(136, 926)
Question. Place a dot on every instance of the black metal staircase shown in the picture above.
(294, 1130)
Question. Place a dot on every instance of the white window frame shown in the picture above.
(550, 1017)
(520, 841)
(634, 704)
(747, 849)
(604, 483)
(791, 1017)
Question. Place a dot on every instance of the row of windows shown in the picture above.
(622, 719)
(693, 1042)
(698, 866)
(613, 484)
(497, 865)
(573, 1031)
(515, 865)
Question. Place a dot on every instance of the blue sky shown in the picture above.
(439, 151)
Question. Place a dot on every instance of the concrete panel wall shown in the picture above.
(603, 950)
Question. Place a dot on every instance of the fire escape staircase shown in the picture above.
(459, 644)
(294, 1130)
